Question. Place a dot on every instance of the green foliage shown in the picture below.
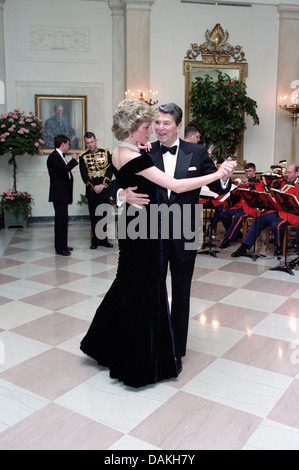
(83, 200)
(217, 108)
(18, 202)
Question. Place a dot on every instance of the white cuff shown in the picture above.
(119, 202)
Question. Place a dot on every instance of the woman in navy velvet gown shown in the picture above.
(131, 332)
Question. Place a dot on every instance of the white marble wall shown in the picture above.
(287, 80)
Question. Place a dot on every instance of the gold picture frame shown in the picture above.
(62, 114)
(217, 55)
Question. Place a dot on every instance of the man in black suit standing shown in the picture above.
(180, 159)
(61, 190)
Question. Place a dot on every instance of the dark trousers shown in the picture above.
(94, 219)
(181, 271)
(260, 223)
(232, 233)
(60, 226)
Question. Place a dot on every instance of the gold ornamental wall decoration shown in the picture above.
(216, 50)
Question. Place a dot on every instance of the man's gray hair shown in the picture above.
(173, 109)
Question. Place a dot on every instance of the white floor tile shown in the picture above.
(239, 386)
(256, 300)
(278, 326)
(18, 348)
(211, 339)
(114, 404)
(273, 436)
(16, 404)
(17, 313)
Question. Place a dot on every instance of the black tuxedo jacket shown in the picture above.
(192, 160)
(61, 178)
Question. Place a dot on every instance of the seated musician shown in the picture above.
(277, 220)
(234, 217)
(219, 204)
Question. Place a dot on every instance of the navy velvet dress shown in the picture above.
(131, 332)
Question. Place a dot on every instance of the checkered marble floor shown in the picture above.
(239, 388)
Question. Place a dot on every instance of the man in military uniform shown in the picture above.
(96, 171)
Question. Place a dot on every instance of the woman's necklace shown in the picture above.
(131, 146)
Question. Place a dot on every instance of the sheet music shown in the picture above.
(205, 191)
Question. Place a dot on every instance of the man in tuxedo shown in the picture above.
(61, 190)
(180, 159)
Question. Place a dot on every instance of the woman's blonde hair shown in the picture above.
(129, 116)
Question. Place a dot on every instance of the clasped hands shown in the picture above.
(227, 168)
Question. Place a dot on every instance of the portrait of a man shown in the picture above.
(59, 124)
(62, 115)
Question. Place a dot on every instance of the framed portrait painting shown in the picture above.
(62, 114)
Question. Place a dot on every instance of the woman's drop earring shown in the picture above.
(132, 135)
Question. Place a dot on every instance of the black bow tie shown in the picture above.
(169, 149)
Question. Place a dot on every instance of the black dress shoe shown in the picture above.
(225, 244)
(105, 243)
(93, 247)
(242, 250)
(69, 248)
(63, 253)
(278, 251)
(179, 365)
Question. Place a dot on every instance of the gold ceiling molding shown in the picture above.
(216, 50)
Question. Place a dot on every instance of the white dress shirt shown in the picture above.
(170, 162)
(64, 159)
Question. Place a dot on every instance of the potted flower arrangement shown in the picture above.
(217, 108)
(17, 207)
(19, 134)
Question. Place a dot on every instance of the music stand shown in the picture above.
(271, 180)
(286, 203)
(260, 201)
(210, 251)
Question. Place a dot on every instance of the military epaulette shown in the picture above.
(84, 153)
(102, 149)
